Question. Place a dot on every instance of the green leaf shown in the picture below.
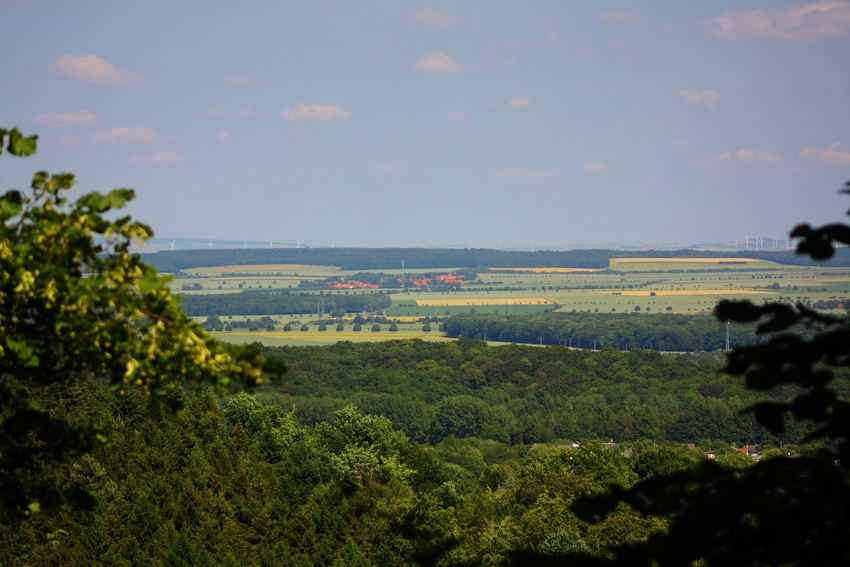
(20, 145)
(119, 197)
(11, 204)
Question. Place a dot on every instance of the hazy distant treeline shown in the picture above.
(279, 303)
(681, 333)
(431, 258)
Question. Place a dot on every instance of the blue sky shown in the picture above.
(470, 123)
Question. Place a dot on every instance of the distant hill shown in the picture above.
(440, 258)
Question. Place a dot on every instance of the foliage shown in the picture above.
(677, 333)
(279, 302)
(75, 304)
(782, 511)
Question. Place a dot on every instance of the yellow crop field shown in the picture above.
(737, 261)
(483, 301)
(546, 270)
(661, 292)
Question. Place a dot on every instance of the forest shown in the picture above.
(663, 332)
(172, 261)
(130, 437)
(521, 395)
(250, 302)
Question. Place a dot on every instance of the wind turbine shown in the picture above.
(245, 244)
(332, 243)
(172, 244)
(297, 243)
(211, 245)
(757, 242)
(270, 243)
(748, 241)
(775, 241)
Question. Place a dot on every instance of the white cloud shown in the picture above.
(437, 62)
(519, 102)
(58, 120)
(817, 21)
(592, 166)
(158, 159)
(829, 156)
(316, 112)
(516, 173)
(93, 69)
(433, 18)
(125, 135)
(706, 97)
(242, 80)
(457, 116)
(393, 167)
(223, 136)
(620, 17)
(747, 156)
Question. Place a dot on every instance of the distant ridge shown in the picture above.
(442, 258)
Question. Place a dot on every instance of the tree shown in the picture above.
(287, 328)
(340, 328)
(304, 328)
(356, 328)
(323, 328)
(781, 511)
(393, 328)
(119, 323)
(426, 328)
(376, 328)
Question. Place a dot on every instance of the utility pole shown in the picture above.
(727, 334)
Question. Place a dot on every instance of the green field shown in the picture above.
(685, 285)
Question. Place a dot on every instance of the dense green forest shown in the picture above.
(435, 258)
(664, 332)
(522, 395)
(280, 302)
(250, 486)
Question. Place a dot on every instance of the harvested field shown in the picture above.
(483, 301)
(661, 292)
(546, 270)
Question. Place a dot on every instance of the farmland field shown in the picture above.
(648, 285)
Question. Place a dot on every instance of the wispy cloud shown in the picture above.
(125, 135)
(621, 18)
(593, 166)
(244, 114)
(457, 116)
(64, 119)
(828, 156)
(157, 159)
(520, 102)
(706, 97)
(93, 69)
(746, 156)
(437, 62)
(242, 80)
(316, 112)
(223, 136)
(432, 18)
(817, 21)
(516, 173)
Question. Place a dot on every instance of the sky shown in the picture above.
(427, 124)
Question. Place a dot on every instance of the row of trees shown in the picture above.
(173, 261)
(280, 302)
(670, 332)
